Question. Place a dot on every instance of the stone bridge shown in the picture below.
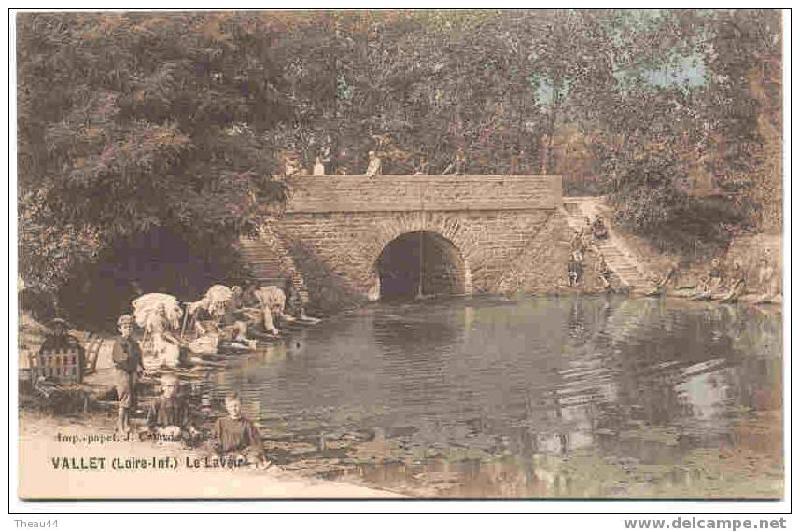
(355, 238)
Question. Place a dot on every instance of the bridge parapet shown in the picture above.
(405, 193)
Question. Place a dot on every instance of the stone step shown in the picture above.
(267, 256)
(623, 267)
(270, 261)
(276, 264)
(261, 258)
(629, 275)
(624, 264)
(624, 270)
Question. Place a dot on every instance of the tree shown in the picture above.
(130, 122)
(170, 124)
(572, 64)
(743, 111)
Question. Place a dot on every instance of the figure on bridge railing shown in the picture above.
(291, 163)
(319, 167)
(422, 167)
(516, 166)
(459, 164)
(375, 166)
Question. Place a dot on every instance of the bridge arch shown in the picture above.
(440, 227)
(420, 263)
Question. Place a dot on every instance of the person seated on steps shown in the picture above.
(587, 227)
(576, 241)
(737, 285)
(660, 285)
(587, 241)
(709, 283)
(769, 289)
(702, 291)
(599, 229)
(604, 272)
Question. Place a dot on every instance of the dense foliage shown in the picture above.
(129, 123)
(173, 122)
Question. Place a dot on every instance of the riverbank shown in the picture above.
(750, 300)
(76, 457)
(727, 472)
(403, 397)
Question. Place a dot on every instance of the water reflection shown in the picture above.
(544, 397)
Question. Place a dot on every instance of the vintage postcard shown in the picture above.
(425, 254)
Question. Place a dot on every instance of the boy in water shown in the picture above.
(236, 436)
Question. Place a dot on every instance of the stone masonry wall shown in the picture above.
(335, 227)
(336, 252)
(542, 267)
(409, 193)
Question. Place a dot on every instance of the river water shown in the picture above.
(579, 396)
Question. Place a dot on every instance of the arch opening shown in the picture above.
(420, 263)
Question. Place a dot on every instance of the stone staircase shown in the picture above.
(270, 261)
(619, 259)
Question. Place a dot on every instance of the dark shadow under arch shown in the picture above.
(420, 263)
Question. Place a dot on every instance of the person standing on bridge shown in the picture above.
(422, 167)
(291, 163)
(459, 164)
(517, 165)
(319, 167)
(375, 166)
